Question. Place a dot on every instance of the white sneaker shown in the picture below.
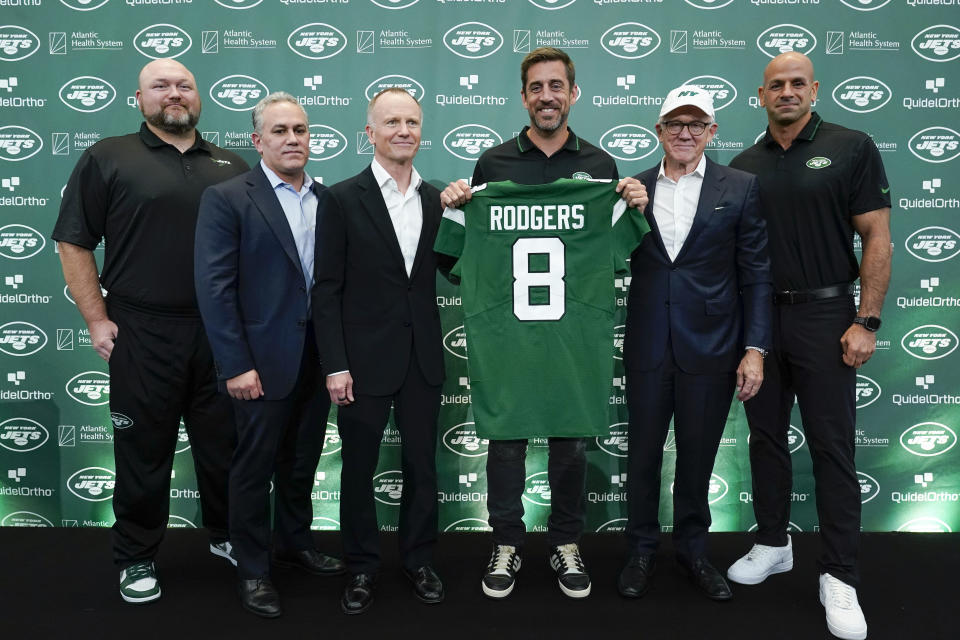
(760, 562)
(844, 615)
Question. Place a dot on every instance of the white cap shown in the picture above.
(691, 95)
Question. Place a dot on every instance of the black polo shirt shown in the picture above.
(521, 161)
(140, 195)
(809, 194)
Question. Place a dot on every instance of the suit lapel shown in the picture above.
(265, 199)
(710, 192)
(376, 209)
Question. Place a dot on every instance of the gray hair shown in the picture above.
(373, 102)
(274, 98)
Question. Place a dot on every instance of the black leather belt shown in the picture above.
(806, 295)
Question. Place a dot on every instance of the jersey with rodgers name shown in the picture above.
(536, 265)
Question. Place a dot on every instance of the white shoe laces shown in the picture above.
(839, 593)
(570, 558)
(502, 561)
(761, 552)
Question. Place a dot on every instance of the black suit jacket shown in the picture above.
(368, 314)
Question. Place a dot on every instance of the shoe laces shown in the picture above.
(760, 552)
(569, 558)
(839, 593)
(503, 559)
(140, 570)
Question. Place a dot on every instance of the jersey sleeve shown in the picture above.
(629, 227)
(869, 187)
(83, 211)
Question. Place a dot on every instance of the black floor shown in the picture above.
(59, 583)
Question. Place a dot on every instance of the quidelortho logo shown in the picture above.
(935, 144)
(238, 92)
(455, 342)
(630, 40)
(331, 440)
(721, 90)
(862, 94)
(18, 143)
(394, 4)
(25, 519)
(928, 439)
(786, 37)
(21, 339)
(19, 242)
(708, 4)
(629, 142)
(865, 5)
(867, 391)
(22, 434)
(536, 489)
(615, 444)
(939, 43)
(463, 440)
(929, 342)
(869, 487)
(17, 43)
(87, 94)
(473, 40)
(468, 141)
(932, 244)
(411, 86)
(325, 142)
(388, 487)
(317, 41)
(93, 484)
(91, 388)
(238, 4)
(162, 41)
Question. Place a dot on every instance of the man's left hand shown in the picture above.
(633, 191)
(858, 345)
(749, 375)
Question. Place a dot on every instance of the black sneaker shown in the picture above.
(501, 573)
(571, 573)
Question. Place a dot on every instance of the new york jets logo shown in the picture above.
(462, 439)
(25, 519)
(629, 142)
(21, 338)
(928, 439)
(617, 525)
(933, 244)
(552, 5)
(411, 86)
(455, 342)
(619, 336)
(786, 37)
(317, 41)
(473, 40)
(468, 141)
(469, 525)
(925, 525)
(614, 443)
(935, 144)
(795, 439)
(92, 484)
(19, 242)
(388, 487)
(865, 5)
(91, 388)
(708, 4)
(183, 439)
(862, 94)
(84, 5)
(867, 391)
(121, 421)
(536, 489)
(179, 522)
(331, 440)
(929, 342)
(18, 143)
(162, 41)
(722, 91)
(324, 524)
(939, 43)
(87, 94)
(819, 162)
(394, 4)
(238, 92)
(17, 43)
(325, 142)
(630, 40)
(792, 527)
(716, 490)
(869, 487)
(238, 4)
(581, 175)
(22, 434)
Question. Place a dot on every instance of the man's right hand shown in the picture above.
(340, 388)
(103, 333)
(245, 386)
(456, 194)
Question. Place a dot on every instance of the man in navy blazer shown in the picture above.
(255, 248)
(698, 326)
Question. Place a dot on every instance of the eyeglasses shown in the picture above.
(674, 127)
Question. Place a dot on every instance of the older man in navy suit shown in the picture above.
(254, 275)
(698, 326)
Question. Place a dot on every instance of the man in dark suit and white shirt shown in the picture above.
(254, 274)
(378, 331)
(698, 325)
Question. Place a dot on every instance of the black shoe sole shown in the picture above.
(354, 612)
(633, 594)
(428, 600)
(262, 614)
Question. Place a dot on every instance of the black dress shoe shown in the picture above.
(311, 561)
(426, 584)
(708, 579)
(635, 576)
(358, 594)
(259, 596)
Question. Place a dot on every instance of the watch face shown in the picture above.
(872, 323)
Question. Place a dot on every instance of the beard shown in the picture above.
(176, 125)
(548, 127)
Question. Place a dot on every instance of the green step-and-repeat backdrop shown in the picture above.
(68, 73)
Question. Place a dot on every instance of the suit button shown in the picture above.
(410, 287)
(675, 269)
(301, 323)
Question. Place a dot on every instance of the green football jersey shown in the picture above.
(536, 265)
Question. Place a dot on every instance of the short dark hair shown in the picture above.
(546, 54)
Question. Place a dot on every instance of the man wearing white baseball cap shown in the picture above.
(698, 326)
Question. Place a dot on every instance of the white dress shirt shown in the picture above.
(300, 209)
(675, 205)
(404, 209)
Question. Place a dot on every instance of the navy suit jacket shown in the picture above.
(250, 286)
(716, 297)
